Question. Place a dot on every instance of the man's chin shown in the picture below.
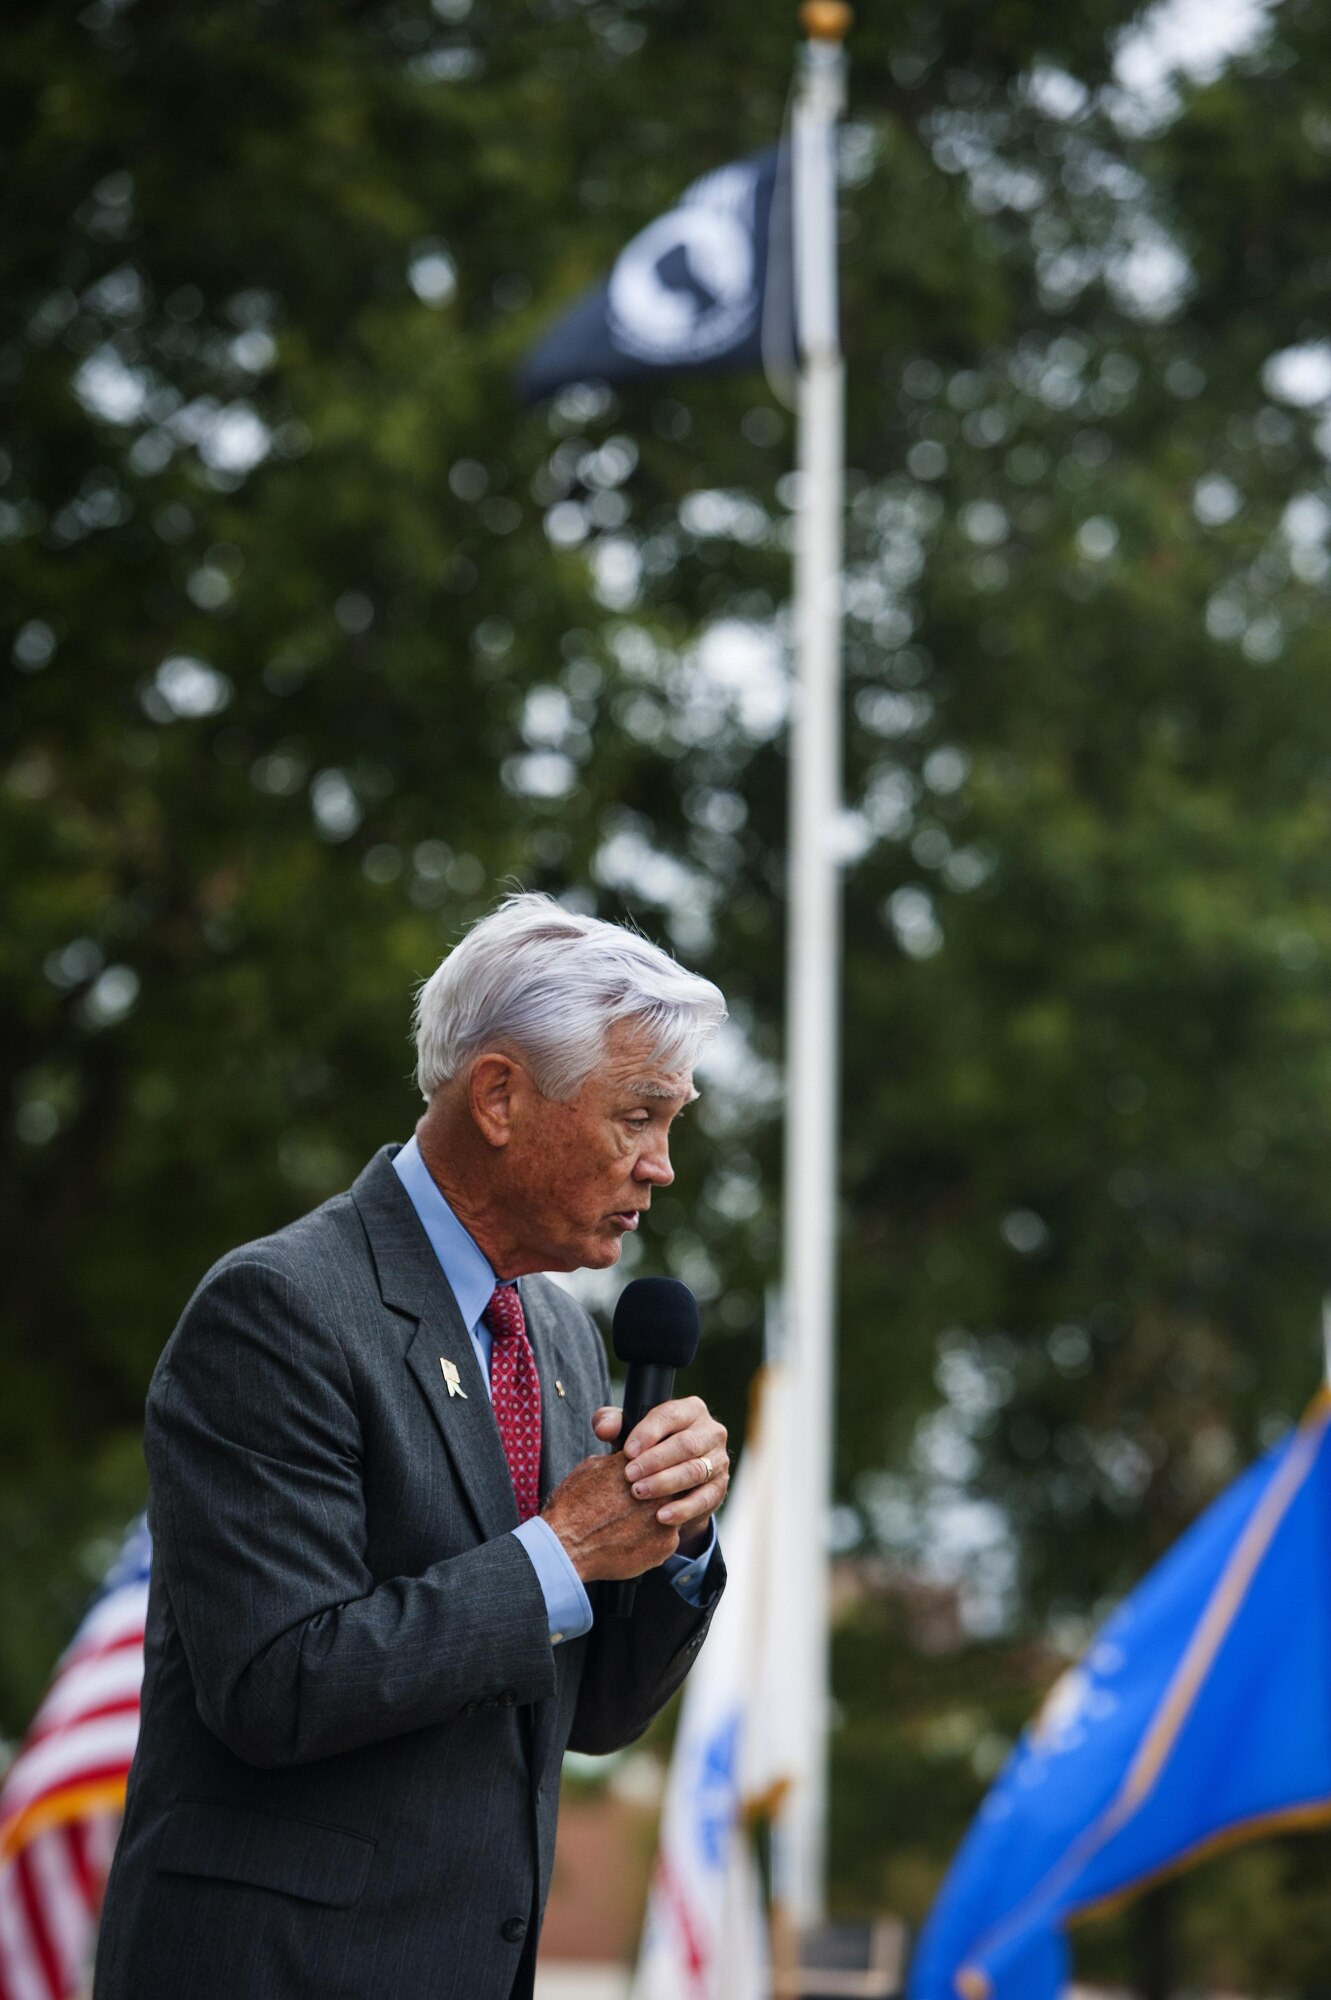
(603, 1253)
(593, 1253)
(597, 1255)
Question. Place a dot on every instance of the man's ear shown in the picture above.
(492, 1085)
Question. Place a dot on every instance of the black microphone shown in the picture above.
(655, 1331)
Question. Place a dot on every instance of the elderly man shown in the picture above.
(384, 1504)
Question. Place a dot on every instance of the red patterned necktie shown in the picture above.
(515, 1391)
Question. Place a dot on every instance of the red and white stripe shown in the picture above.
(61, 1802)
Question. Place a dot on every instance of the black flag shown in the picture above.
(707, 286)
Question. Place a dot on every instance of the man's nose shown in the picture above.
(654, 1166)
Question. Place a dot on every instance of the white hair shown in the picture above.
(535, 978)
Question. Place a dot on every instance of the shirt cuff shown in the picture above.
(567, 1605)
(687, 1573)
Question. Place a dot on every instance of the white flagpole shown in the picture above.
(814, 934)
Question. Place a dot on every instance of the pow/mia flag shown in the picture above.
(705, 287)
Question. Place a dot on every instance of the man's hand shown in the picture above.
(676, 1456)
(622, 1514)
(607, 1533)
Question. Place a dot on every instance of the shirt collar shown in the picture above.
(461, 1258)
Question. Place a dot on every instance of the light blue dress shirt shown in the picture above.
(471, 1281)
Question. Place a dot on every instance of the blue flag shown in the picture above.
(1200, 1716)
(707, 286)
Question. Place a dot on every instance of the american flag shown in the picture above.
(61, 1800)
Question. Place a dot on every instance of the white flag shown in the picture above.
(705, 1936)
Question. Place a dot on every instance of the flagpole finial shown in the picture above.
(826, 20)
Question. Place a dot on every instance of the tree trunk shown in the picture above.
(1155, 1931)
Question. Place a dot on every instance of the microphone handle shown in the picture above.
(649, 1383)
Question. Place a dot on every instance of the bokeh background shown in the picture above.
(314, 640)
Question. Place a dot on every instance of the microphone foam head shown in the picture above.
(656, 1319)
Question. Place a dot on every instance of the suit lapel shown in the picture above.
(566, 1439)
(566, 1413)
(466, 1421)
(411, 1281)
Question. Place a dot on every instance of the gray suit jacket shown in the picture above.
(353, 1717)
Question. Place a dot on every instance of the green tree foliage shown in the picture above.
(314, 639)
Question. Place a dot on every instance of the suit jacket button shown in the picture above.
(513, 1929)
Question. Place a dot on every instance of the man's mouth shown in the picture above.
(627, 1218)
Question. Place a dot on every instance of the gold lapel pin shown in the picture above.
(453, 1379)
(559, 1388)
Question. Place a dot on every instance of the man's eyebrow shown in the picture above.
(655, 1086)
